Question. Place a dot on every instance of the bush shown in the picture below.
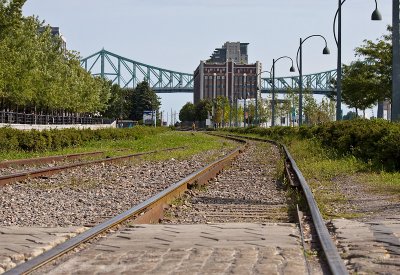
(375, 141)
(39, 141)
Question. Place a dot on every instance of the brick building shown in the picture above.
(227, 79)
(220, 76)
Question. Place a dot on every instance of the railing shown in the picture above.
(22, 118)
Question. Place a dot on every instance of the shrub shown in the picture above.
(376, 141)
(39, 141)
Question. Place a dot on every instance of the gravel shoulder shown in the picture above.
(360, 202)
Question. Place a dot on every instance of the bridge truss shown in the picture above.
(319, 83)
(127, 73)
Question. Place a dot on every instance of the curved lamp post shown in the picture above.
(300, 68)
(376, 16)
(273, 84)
(259, 89)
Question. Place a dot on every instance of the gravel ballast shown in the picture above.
(89, 195)
(248, 191)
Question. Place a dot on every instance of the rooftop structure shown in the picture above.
(234, 51)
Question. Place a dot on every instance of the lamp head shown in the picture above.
(292, 70)
(376, 15)
(326, 50)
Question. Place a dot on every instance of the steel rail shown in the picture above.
(145, 212)
(53, 170)
(335, 262)
(17, 162)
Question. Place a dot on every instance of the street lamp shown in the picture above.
(300, 68)
(376, 16)
(259, 88)
(273, 85)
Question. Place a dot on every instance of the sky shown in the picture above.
(177, 34)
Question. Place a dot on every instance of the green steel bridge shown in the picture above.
(127, 73)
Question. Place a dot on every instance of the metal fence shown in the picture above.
(22, 118)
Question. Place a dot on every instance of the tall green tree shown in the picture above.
(118, 106)
(37, 73)
(188, 112)
(203, 109)
(361, 86)
(378, 55)
(143, 98)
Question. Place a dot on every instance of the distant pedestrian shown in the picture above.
(193, 126)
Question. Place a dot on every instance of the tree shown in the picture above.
(188, 112)
(142, 98)
(117, 105)
(378, 56)
(202, 109)
(361, 86)
(310, 108)
(221, 109)
(36, 73)
(350, 115)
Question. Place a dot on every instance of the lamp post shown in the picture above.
(300, 68)
(273, 85)
(376, 16)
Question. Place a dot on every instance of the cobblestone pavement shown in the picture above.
(228, 248)
(18, 244)
(371, 247)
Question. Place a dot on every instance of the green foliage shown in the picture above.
(188, 112)
(36, 73)
(350, 115)
(361, 85)
(40, 141)
(221, 109)
(374, 141)
(142, 98)
(378, 54)
(118, 105)
(202, 109)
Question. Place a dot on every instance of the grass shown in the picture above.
(194, 142)
(383, 182)
(324, 170)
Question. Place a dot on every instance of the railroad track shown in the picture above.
(152, 210)
(49, 159)
(41, 172)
